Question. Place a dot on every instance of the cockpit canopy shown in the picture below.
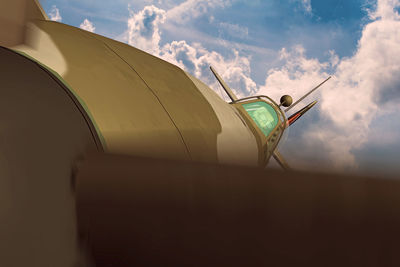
(266, 120)
(263, 114)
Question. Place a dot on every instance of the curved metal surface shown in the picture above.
(141, 104)
(42, 134)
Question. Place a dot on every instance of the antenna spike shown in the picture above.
(228, 90)
(312, 90)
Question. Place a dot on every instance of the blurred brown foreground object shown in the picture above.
(146, 212)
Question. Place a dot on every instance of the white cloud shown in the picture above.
(87, 26)
(196, 60)
(385, 9)
(358, 91)
(191, 9)
(234, 30)
(143, 29)
(54, 14)
(307, 5)
(296, 76)
(144, 33)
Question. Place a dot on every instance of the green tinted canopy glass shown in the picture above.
(263, 115)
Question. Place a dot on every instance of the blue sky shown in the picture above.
(277, 47)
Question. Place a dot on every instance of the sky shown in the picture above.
(273, 47)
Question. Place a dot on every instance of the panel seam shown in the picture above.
(151, 90)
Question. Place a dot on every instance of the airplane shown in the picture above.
(66, 91)
(137, 104)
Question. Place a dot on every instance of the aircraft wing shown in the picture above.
(147, 212)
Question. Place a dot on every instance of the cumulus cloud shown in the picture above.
(296, 76)
(144, 33)
(87, 25)
(368, 80)
(356, 95)
(54, 14)
(196, 60)
(385, 9)
(143, 28)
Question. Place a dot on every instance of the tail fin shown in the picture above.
(14, 15)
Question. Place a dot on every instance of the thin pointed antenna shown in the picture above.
(228, 90)
(300, 113)
(295, 103)
(279, 158)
